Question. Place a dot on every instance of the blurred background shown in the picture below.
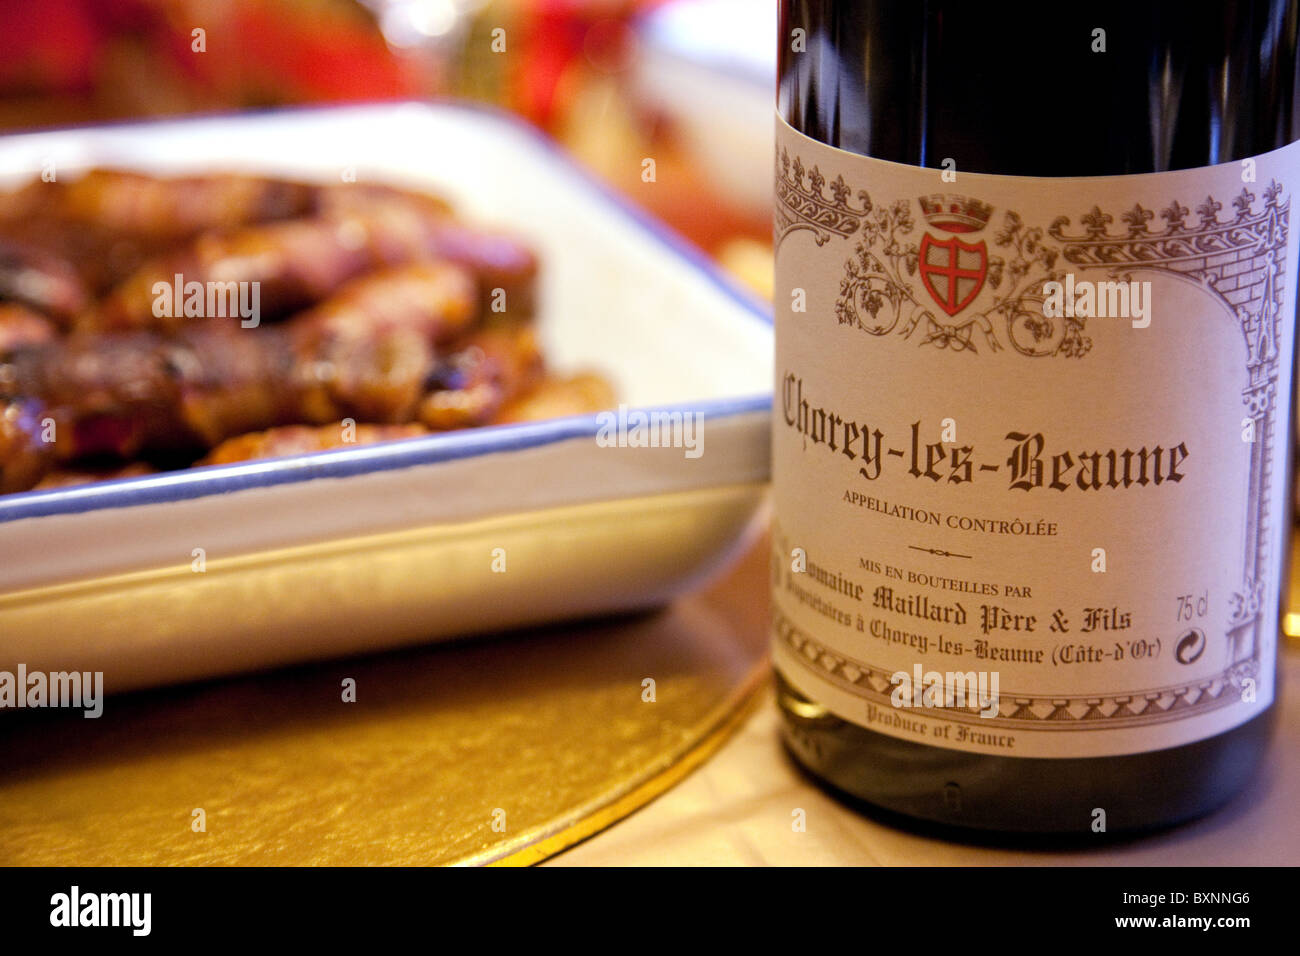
(688, 83)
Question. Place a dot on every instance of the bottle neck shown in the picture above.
(1092, 89)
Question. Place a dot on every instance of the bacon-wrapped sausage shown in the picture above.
(294, 264)
(41, 280)
(127, 395)
(580, 394)
(108, 222)
(21, 326)
(397, 318)
(159, 209)
(432, 299)
(70, 477)
(298, 263)
(24, 456)
(470, 386)
(120, 395)
(302, 439)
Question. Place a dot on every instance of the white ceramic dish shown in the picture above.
(380, 546)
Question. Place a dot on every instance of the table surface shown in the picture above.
(737, 810)
(411, 773)
(501, 748)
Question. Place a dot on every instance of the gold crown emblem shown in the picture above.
(953, 213)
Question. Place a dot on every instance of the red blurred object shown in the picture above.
(90, 59)
(559, 33)
(51, 45)
(308, 59)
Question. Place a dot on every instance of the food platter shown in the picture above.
(376, 546)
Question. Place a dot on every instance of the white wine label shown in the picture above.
(1030, 444)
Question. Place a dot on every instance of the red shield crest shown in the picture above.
(953, 271)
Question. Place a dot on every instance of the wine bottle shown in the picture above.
(1032, 430)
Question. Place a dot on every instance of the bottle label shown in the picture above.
(1030, 443)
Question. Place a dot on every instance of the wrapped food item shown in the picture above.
(579, 394)
(383, 312)
(302, 439)
(21, 326)
(41, 280)
(298, 262)
(72, 477)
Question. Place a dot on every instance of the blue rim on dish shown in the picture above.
(193, 483)
(201, 482)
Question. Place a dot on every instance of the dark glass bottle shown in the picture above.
(1015, 89)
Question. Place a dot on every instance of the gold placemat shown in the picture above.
(494, 750)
